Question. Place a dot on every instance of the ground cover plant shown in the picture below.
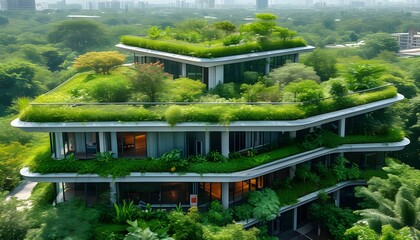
(202, 39)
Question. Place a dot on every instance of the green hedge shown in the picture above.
(222, 113)
(188, 49)
(43, 163)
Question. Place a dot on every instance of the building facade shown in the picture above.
(408, 40)
(151, 139)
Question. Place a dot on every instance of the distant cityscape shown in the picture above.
(197, 4)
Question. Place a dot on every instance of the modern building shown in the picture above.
(18, 4)
(408, 40)
(138, 140)
(262, 4)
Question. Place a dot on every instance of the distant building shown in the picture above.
(408, 40)
(262, 4)
(18, 5)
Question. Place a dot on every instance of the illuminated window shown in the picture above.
(132, 145)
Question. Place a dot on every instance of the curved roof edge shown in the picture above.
(161, 126)
(209, 62)
(215, 177)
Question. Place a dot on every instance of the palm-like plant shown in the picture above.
(393, 201)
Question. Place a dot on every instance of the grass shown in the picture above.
(43, 163)
(205, 51)
(174, 114)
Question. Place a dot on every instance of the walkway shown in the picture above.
(22, 191)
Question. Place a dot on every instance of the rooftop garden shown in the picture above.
(129, 94)
(198, 38)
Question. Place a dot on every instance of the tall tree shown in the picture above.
(149, 80)
(377, 42)
(100, 62)
(78, 35)
(293, 72)
(17, 80)
(323, 62)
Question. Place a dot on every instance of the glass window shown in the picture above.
(132, 144)
(194, 72)
(235, 72)
(82, 145)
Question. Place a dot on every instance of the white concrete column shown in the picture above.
(206, 142)
(152, 144)
(336, 197)
(220, 71)
(184, 69)
(267, 66)
(342, 127)
(102, 142)
(112, 192)
(114, 145)
(212, 82)
(225, 143)
(295, 217)
(59, 145)
(225, 195)
(292, 171)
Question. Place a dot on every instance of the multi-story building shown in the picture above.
(18, 5)
(408, 40)
(138, 140)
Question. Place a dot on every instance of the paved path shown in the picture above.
(22, 191)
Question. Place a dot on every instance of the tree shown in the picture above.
(100, 62)
(323, 62)
(154, 32)
(263, 26)
(183, 90)
(225, 26)
(14, 224)
(266, 204)
(149, 79)
(17, 80)
(78, 35)
(393, 201)
(292, 72)
(363, 76)
(53, 59)
(303, 91)
(3, 20)
(377, 42)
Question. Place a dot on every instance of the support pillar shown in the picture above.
(102, 145)
(336, 197)
(113, 192)
(292, 171)
(184, 69)
(225, 143)
(59, 145)
(206, 142)
(292, 134)
(295, 218)
(267, 66)
(225, 195)
(342, 127)
(114, 146)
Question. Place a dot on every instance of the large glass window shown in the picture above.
(82, 145)
(155, 193)
(53, 145)
(171, 67)
(279, 61)
(235, 72)
(239, 190)
(132, 144)
(240, 141)
(208, 192)
(194, 72)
